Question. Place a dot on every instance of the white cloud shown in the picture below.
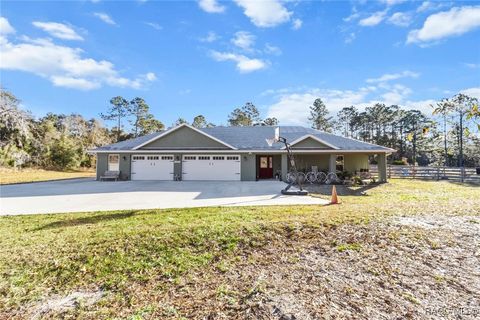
(395, 94)
(154, 25)
(297, 24)
(244, 40)
(472, 92)
(392, 2)
(454, 22)
(350, 37)
(64, 66)
(210, 37)
(211, 6)
(270, 49)
(426, 5)
(400, 19)
(266, 13)
(150, 76)
(105, 18)
(291, 105)
(472, 65)
(5, 27)
(422, 105)
(353, 16)
(293, 108)
(244, 64)
(373, 20)
(76, 83)
(430, 5)
(58, 30)
(394, 76)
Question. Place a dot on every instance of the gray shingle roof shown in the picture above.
(254, 138)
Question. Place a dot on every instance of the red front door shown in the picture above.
(266, 167)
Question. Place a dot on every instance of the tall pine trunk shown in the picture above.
(118, 128)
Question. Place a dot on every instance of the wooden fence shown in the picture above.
(430, 173)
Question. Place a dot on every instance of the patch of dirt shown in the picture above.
(469, 225)
(416, 267)
(410, 267)
(61, 304)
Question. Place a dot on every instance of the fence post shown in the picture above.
(389, 171)
(462, 173)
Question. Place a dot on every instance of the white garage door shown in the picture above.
(152, 167)
(208, 167)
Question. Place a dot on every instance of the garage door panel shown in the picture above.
(152, 167)
(211, 167)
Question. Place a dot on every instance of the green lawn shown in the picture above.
(10, 175)
(44, 255)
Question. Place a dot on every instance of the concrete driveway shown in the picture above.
(81, 195)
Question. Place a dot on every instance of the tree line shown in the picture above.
(449, 136)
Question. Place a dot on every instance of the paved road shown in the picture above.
(81, 195)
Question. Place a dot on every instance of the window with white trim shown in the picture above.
(190, 158)
(218, 158)
(113, 162)
(152, 158)
(203, 157)
(167, 157)
(233, 158)
(138, 157)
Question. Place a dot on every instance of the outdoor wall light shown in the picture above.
(245, 158)
(124, 158)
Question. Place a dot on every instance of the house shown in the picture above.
(234, 153)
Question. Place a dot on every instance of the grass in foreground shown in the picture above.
(42, 255)
(10, 175)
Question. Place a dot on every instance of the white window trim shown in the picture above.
(108, 161)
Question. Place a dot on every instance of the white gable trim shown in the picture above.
(181, 126)
(311, 136)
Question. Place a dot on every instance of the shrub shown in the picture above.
(64, 154)
(399, 162)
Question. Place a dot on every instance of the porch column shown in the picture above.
(284, 167)
(332, 163)
(382, 167)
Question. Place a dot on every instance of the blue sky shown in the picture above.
(208, 57)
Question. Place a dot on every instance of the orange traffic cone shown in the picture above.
(334, 199)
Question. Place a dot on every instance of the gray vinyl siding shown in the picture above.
(248, 167)
(185, 138)
(355, 162)
(102, 164)
(177, 165)
(284, 166)
(277, 164)
(306, 161)
(310, 143)
(248, 163)
(125, 166)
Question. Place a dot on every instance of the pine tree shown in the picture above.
(318, 116)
